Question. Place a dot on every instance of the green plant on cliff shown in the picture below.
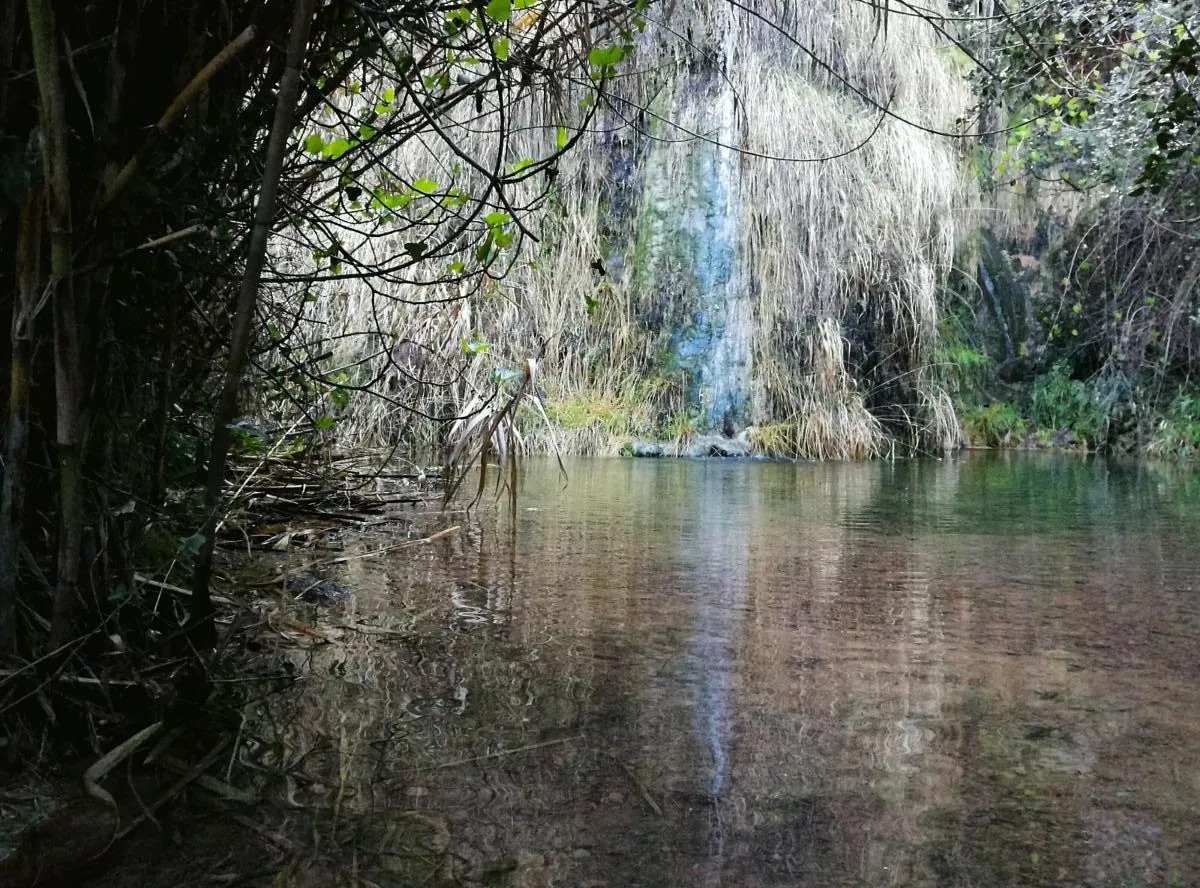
(1102, 168)
(1060, 402)
(998, 424)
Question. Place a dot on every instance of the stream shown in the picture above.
(982, 671)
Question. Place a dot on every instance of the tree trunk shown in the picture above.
(281, 129)
(67, 352)
(25, 307)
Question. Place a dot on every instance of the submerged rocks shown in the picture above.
(645, 449)
(699, 446)
(717, 445)
(314, 590)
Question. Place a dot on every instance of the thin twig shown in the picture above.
(404, 545)
(495, 755)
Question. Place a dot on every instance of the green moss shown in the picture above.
(998, 424)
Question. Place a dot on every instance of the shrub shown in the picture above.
(998, 424)
(1060, 402)
(1178, 432)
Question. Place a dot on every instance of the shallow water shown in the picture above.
(979, 672)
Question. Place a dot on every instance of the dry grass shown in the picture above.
(818, 251)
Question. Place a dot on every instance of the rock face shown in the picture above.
(698, 447)
(645, 448)
(717, 445)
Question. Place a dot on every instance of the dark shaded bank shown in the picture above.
(1076, 334)
(124, 761)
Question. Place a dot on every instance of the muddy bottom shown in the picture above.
(983, 672)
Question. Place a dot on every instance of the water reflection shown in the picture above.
(976, 672)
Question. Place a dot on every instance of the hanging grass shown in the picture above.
(675, 277)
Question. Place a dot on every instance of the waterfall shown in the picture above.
(737, 232)
(694, 214)
(722, 284)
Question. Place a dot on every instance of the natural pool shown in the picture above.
(976, 672)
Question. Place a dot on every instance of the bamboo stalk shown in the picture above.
(175, 111)
(67, 334)
(29, 236)
(264, 213)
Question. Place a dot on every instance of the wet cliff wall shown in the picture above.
(744, 242)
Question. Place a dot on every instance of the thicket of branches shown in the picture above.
(1102, 96)
(148, 152)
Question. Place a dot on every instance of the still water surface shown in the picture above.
(979, 672)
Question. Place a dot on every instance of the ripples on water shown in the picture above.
(978, 672)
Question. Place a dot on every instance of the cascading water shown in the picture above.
(722, 286)
(692, 247)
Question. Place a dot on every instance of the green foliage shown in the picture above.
(499, 10)
(774, 439)
(963, 369)
(1060, 402)
(1099, 92)
(589, 412)
(998, 424)
(1178, 432)
(681, 426)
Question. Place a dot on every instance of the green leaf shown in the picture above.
(602, 56)
(324, 423)
(388, 95)
(339, 398)
(457, 267)
(523, 164)
(483, 252)
(500, 48)
(499, 10)
(337, 148)
(314, 144)
(497, 218)
(472, 345)
(425, 186)
(561, 136)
